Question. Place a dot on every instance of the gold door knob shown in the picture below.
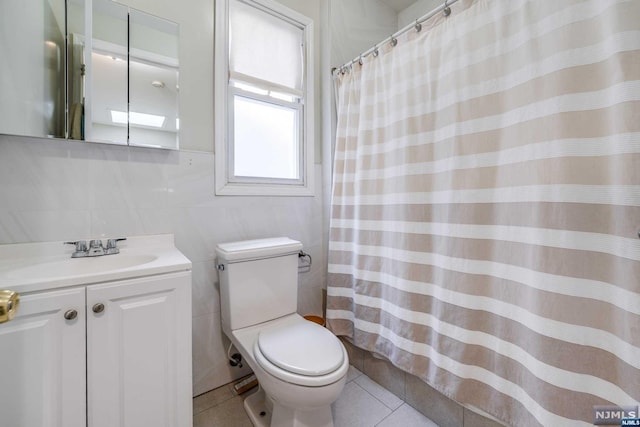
(9, 302)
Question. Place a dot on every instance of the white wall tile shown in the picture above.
(206, 290)
(210, 364)
(48, 225)
(190, 181)
(63, 190)
(32, 171)
(119, 182)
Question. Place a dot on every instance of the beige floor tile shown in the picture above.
(211, 399)
(353, 373)
(390, 400)
(357, 408)
(229, 413)
(406, 416)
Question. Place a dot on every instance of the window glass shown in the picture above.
(266, 140)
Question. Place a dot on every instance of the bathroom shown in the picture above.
(56, 190)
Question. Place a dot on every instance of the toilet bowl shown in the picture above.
(301, 367)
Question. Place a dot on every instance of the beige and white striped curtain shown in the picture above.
(486, 207)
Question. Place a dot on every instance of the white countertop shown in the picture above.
(22, 265)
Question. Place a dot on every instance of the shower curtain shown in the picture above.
(486, 207)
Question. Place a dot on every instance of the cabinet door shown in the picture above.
(42, 362)
(139, 352)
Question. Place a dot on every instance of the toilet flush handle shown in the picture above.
(220, 267)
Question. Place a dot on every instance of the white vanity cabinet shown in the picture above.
(42, 362)
(139, 352)
(107, 349)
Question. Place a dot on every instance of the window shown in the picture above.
(264, 99)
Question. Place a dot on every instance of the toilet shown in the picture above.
(301, 366)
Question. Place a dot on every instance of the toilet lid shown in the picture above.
(303, 348)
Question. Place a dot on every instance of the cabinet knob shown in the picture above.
(98, 308)
(70, 314)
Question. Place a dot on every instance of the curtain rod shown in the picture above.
(417, 25)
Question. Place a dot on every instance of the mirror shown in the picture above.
(153, 81)
(32, 70)
(76, 68)
(107, 74)
(121, 81)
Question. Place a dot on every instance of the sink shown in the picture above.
(39, 266)
(69, 267)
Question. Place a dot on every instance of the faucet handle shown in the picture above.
(81, 248)
(112, 246)
(113, 243)
(81, 245)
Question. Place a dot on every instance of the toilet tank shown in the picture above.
(258, 281)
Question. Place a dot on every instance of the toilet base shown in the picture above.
(280, 416)
(257, 404)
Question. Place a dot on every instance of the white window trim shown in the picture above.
(265, 187)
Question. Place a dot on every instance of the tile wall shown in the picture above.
(55, 190)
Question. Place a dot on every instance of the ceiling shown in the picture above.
(398, 5)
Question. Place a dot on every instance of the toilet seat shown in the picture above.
(303, 348)
(302, 353)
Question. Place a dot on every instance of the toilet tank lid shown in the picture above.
(255, 249)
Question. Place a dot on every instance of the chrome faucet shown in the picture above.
(95, 248)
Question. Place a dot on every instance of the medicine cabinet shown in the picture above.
(92, 70)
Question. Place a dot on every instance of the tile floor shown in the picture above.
(363, 403)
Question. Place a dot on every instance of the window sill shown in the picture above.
(237, 189)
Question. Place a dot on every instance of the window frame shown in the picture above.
(226, 182)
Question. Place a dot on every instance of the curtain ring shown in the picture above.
(360, 61)
(394, 41)
(418, 26)
(375, 52)
(446, 11)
